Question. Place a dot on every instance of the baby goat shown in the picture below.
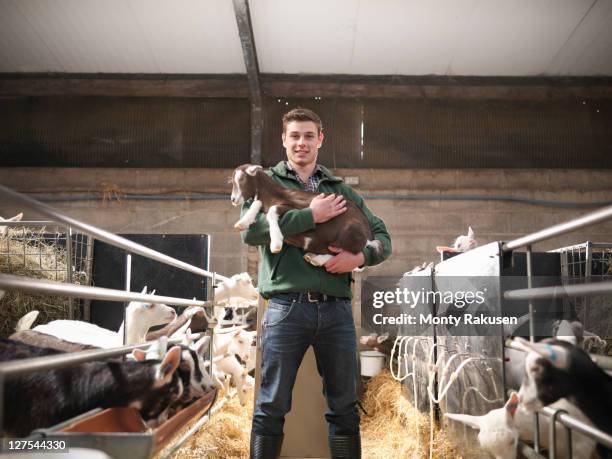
(193, 373)
(48, 397)
(556, 369)
(350, 231)
(140, 317)
(498, 433)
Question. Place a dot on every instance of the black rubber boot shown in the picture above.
(345, 446)
(266, 446)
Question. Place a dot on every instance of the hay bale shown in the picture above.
(26, 252)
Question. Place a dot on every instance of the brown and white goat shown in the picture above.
(349, 231)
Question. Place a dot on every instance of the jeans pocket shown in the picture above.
(278, 310)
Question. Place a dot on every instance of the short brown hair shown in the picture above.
(302, 114)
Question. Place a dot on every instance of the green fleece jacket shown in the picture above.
(287, 271)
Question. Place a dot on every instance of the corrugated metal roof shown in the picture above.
(366, 37)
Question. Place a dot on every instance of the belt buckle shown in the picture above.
(315, 297)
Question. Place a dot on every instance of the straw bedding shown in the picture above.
(389, 430)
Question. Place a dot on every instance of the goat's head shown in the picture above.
(467, 242)
(239, 286)
(149, 314)
(166, 386)
(243, 185)
(547, 377)
(497, 429)
(241, 344)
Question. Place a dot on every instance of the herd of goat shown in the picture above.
(557, 373)
(157, 381)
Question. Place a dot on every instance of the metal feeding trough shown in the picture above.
(121, 433)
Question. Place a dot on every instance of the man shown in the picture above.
(308, 306)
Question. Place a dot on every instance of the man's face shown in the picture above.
(302, 142)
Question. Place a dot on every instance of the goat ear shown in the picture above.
(201, 345)
(565, 332)
(472, 421)
(168, 366)
(470, 232)
(557, 355)
(144, 289)
(512, 404)
(252, 170)
(152, 292)
(139, 354)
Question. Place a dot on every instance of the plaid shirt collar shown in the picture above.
(313, 181)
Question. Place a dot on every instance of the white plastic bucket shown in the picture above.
(372, 362)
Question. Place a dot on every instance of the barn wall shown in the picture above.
(416, 226)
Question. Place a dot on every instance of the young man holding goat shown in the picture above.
(308, 305)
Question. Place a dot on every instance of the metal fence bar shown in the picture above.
(579, 426)
(103, 235)
(13, 368)
(528, 451)
(128, 286)
(69, 269)
(559, 291)
(31, 223)
(562, 228)
(8, 281)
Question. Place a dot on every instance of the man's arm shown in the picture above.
(292, 222)
(321, 209)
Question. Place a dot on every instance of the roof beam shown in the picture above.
(247, 40)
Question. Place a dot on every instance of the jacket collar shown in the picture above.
(281, 170)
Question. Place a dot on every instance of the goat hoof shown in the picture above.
(311, 258)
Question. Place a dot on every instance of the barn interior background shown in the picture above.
(131, 114)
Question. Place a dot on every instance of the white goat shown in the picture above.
(244, 383)
(237, 286)
(140, 317)
(235, 343)
(463, 243)
(521, 422)
(498, 433)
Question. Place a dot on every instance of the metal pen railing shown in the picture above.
(103, 235)
(8, 281)
(14, 368)
(557, 230)
(531, 294)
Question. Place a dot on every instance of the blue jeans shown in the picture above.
(288, 328)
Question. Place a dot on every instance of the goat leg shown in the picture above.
(276, 236)
(250, 215)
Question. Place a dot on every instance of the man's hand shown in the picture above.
(343, 261)
(327, 207)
